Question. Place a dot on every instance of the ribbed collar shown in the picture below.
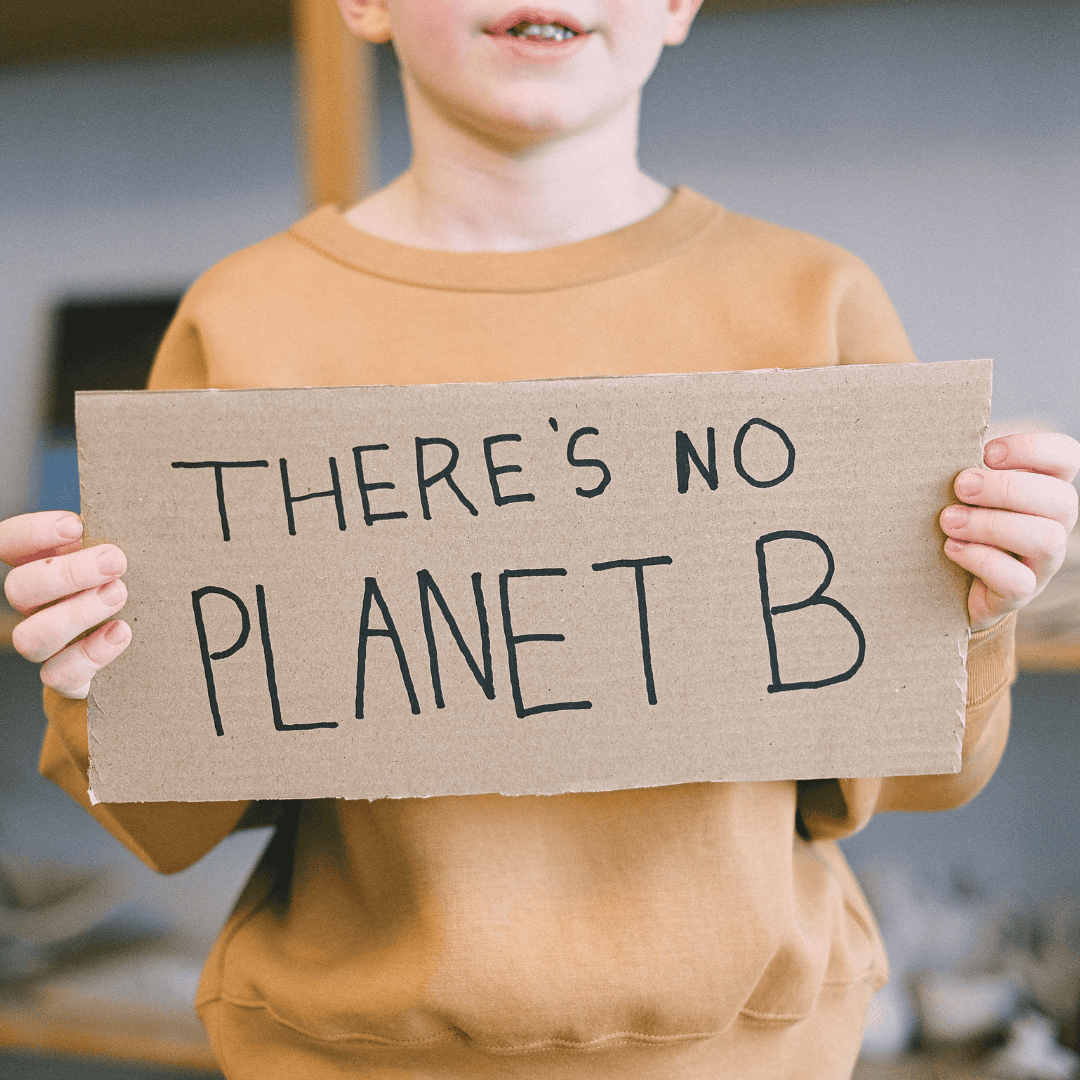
(623, 251)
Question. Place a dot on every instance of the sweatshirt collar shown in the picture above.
(644, 243)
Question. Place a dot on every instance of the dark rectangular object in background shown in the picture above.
(34, 30)
(104, 344)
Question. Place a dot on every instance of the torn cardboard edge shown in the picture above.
(554, 504)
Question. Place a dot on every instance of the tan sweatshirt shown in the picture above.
(692, 931)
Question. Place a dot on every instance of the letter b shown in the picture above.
(816, 599)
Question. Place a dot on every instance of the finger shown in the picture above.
(44, 581)
(35, 536)
(1044, 452)
(69, 672)
(1009, 583)
(985, 607)
(1024, 492)
(47, 631)
(1039, 541)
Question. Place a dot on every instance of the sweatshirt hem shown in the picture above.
(457, 1035)
(998, 665)
(821, 1047)
(872, 978)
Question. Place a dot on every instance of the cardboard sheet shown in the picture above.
(533, 587)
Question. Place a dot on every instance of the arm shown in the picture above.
(1009, 530)
(64, 590)
(831, 809)
(167, 836)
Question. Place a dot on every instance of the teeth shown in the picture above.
(542, 31)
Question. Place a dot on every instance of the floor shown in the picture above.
(34, 1067)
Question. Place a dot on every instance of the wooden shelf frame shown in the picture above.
(336, 107)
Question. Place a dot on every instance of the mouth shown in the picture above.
(538, 27)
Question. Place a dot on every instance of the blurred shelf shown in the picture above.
(70, 29)
(945, 1066)
(1048, 659)
(892, 1070)
(128, 997)
(26, 1028)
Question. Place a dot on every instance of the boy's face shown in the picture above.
(522, 73)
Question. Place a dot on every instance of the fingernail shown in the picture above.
(995, 453)
(113, 593)
(69, 527)
(953, 546)
(118, 633)
(969, 484)
(111, 561)
(955, 517)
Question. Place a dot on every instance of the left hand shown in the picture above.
(1012, 533)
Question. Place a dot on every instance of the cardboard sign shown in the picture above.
(533, 587)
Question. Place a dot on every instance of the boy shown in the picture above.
(693, 931)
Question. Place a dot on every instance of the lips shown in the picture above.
(538, 16)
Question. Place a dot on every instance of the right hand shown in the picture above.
(63, 589)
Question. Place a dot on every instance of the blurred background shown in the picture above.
(937, 139)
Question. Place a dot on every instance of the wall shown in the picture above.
(121, 176)
(939, 140)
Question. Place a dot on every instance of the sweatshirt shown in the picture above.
(693, 931)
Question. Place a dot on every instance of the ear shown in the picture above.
(367, 19)
(680, 15)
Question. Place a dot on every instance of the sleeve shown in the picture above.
(167, 836)
(831, 809)
(868, 330)
(180, 363)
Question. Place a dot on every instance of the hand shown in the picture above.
(64, 589)
(1012, 533)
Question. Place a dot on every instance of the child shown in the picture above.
(693, 931)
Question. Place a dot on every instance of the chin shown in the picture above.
(537, 116)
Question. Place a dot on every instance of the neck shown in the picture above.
(467, 191)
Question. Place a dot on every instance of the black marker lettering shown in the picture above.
(271, 677)
(684, 451)
(815, 599)
(371, 592)
(486, 679)
(445, 473)
(494, 473)
(788, 445)
(369, 517)
(587, 463)
(290, 498)
(217, 466)
(643, 612)
(204, 647)
(514, 640)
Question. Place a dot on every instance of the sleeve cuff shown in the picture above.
(991, 662)
(167, 836)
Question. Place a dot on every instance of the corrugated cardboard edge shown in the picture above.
(963, 643)
(95, 714)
